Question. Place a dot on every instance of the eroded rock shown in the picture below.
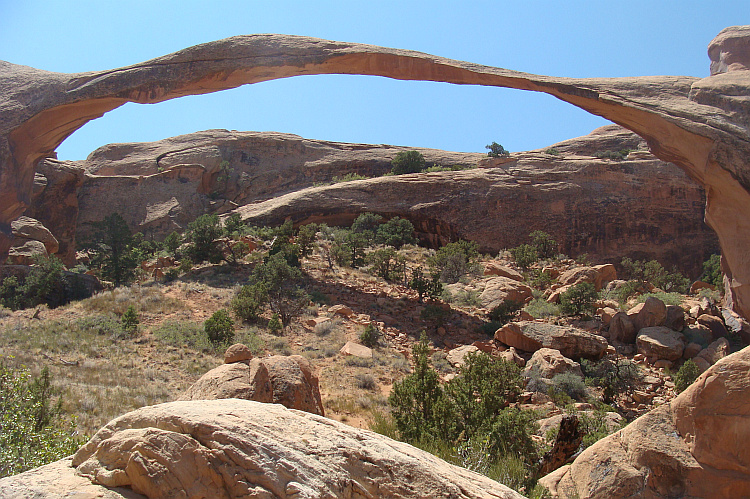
(571, 342)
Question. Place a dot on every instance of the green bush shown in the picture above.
(202, 236)
(388, 264)
(579, 299)
(496, 150)
(172, 243)
(219, 328)
(112, 248)
(408, 162)
(367, 224)
(249, 302)
(33, 430)
(435, 313)
(395, 232)
(233, 225)
(306, 236)
(570, 384)
(686, 376)
(455, 260)
(712, 271)
(130, 320)
(370, 336)
(539, 308)
(274, 324)
(525, 255)
(546, 247)
(653, 272)
(612, 376)
(505, 311)
(183, 333)
(430, 287)
(613, 155)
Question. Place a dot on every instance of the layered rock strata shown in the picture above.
(700, 124)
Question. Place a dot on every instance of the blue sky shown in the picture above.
(577, 39)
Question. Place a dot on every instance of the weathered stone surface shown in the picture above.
(685, 448)
(699, 124)
(501, 289)
(716, 325)
(596, 275)
(650, 313)
(622, 329)
(549, 362)
(511, 355)
(237, 448)
(714, 352)
(237, 353)
(571, 342)
(28, 228)
(660, 342)
(357, 350)
(675, 318)
(24, 251)
(457, 356)
(289, 381)
(498, 269)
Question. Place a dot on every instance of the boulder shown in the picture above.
(571, 342)
(357, 350)
(650, 313)
(239, 448)
(500, 289)
(660, 342)
(675, 319)
(698, 334)
(237, 353)
(457, 356)
(698, 285)
(716, 325)
(606, 314)
(622, 329)
(511, 355)
(714, 352)
(498, 269)
(341, 310)
(596, 275)
(685, 448)
(289, 381)
(25, 251)
(549, 362)
(691, 350)
(29, 228)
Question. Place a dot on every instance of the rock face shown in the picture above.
(288, 381)
(236, 448)
(698, 124)
(694, 446)
(609, 209)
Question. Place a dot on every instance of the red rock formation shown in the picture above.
(701, 125)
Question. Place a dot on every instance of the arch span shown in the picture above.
(699, 124)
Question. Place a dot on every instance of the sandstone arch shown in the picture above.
(699, 124)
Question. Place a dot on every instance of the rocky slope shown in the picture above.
(701, 125)
(639, 207)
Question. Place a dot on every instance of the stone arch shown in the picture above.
(698, 124)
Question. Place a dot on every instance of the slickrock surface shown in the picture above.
(701, 125)
(693, 446)
(236, 448)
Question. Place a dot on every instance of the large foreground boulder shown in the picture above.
(239, 449)
(694, 446)
(573, 343)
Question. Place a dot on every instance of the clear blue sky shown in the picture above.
(577, 39)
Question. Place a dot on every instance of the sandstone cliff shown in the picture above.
(701, 125)
(640, 207)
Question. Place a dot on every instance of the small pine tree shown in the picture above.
(579, 299)
(370, 336)
(130, 320)
(496, 150)
(525, 255)
(219, 328)
(274, 325)
(408, 162)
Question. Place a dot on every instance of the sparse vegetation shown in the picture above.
(525, 255)
(496, 150)
(686, 376)
(219, 328)
(579, 300)
(408, 162)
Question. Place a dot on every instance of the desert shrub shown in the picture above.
(33, 430)
(594, 425)
(712, 271)
(274, 324)
(249, 302)
(489, 328)
(612, 376)
(202, 235)
(219, 328)
(130, 320)
(613, 155)
(365, 382)
(183, 333)
(525, 255)
(440, 362)
(317, 296)
(579, 299)
(452, 168)
(306, 236)
(541, 280)
(172, 243)
(686, 376)
(408, 162)
(370, 336)
(539, 308)
(250, 338)
(430, 287)
(454, 260)
(46, 283)
(552, 151)
(505, 311)
(388, 264)
(435, 313)
(653, 272)
(233, 225)
(112, 249)
(496, 150)
(348, 248)
(367, 224)
(570, 384)
(546, 246)
(395, 232)
(667, 298)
